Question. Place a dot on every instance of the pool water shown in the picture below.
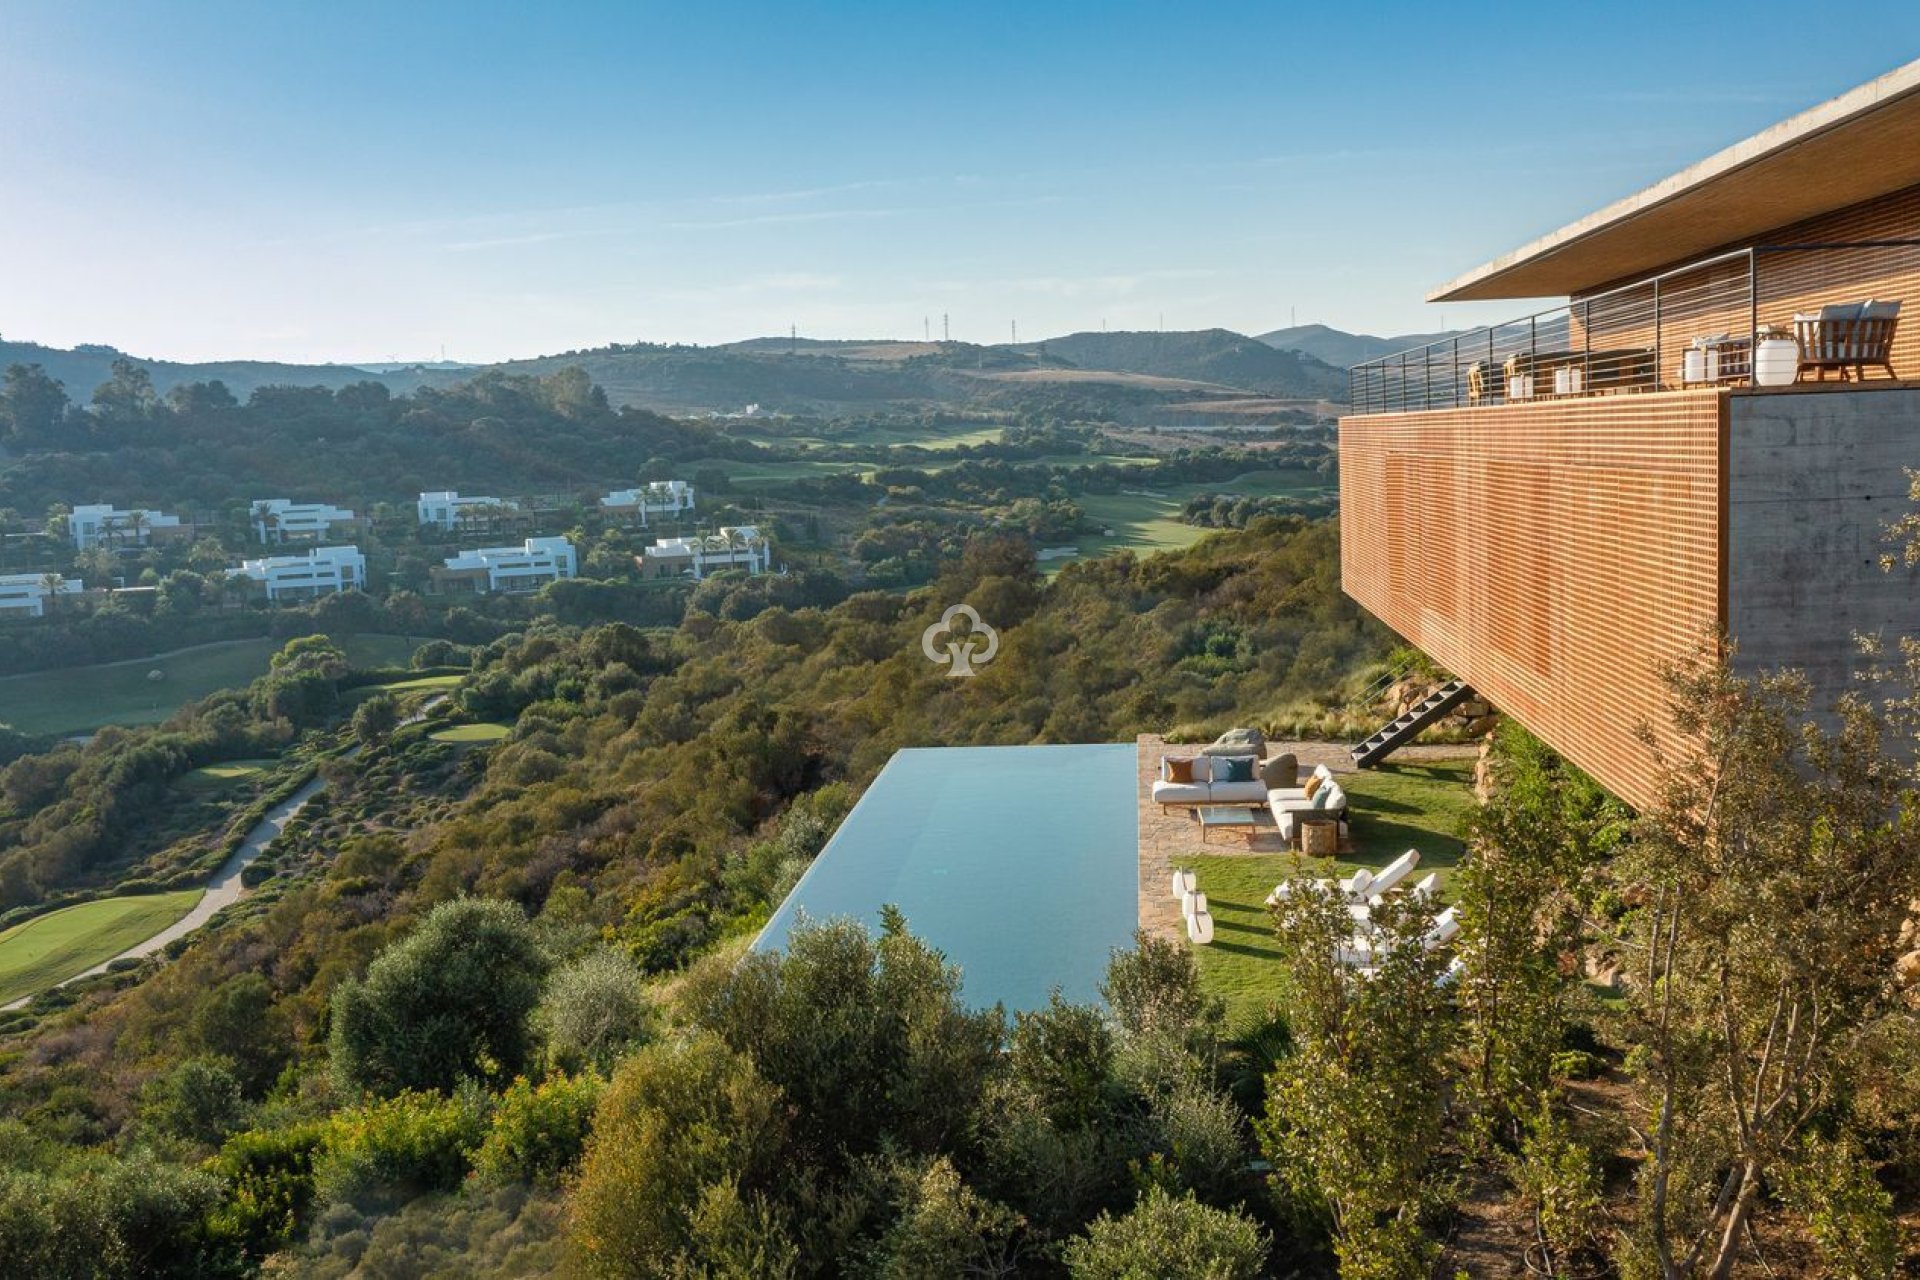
(1020, 863)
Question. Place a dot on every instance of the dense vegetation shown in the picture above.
(488, 1011)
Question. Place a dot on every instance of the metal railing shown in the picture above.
(1692, 326)
(1620, 340)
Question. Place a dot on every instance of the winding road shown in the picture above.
(226, 887)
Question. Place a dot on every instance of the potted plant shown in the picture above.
(1776, 356)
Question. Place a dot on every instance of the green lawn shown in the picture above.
(80, 699)
(1148, 519)
(400, 688)
(47, 949)
(1395, 808)
(214, 777)
(469, 734)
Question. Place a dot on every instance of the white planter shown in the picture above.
(1567, 381)
(1520, 387)
(1776, 362)
(1693, 367)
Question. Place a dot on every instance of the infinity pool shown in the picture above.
(1021, 863)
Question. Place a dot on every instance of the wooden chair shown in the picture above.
(1847, 336)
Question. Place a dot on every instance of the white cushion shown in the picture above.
(1181, 793)
(1238, 792)
(1202, 769)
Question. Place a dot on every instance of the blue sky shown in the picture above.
(372, 181)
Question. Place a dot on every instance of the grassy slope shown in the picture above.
(485, 731)
(47, 949)
(216, 777)
(1396, 807)
(79, 699)
(1149, 520)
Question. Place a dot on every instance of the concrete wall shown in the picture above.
(1813, 479)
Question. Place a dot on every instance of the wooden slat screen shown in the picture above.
(1553, 555)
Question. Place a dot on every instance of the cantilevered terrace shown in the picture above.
(1712, 432)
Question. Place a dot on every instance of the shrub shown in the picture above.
(450, 1001)
(391, 1150)
(594, 1010)
(268, 1175)
(1169, 1239)
(537, 1131)
(682, 1140)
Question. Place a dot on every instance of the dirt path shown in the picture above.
(227, 886)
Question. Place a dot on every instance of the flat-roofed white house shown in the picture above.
(322, 571)
(734, 547)
(283, 520)
(30, 595)
(93, 524)
(668, 499)
(527, 567)
(447, 509)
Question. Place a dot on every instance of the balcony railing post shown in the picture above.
(1658, 367)
(1455, 384)
(1753, 308)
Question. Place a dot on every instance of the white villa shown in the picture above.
(322, 571)
(527, 567)
(734, 547)
(94, 523)
(281, 520)
(447, 508)
(670, 498)
(26, 595)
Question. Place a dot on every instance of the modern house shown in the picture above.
(321, 571)
(33, 595)
(527, 567)
(280, 520)
(102, 524)
(668, 499)
(734, 547)
(1710, 436)
(447, 509)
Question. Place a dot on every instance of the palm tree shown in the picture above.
(53, 582)
(136, 523)
(266, 520)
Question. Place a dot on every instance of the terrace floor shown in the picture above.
(1420, 799)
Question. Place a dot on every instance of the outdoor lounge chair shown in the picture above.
(1445, 925)
(1389, 876)
(1357, 887)
(1849, 335)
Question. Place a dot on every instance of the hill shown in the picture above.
(1122, 376)
(86, 366)
(1344, 350)
(1217, 356)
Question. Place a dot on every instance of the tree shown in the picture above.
(54, 584)
(1521, 893)
(449, 1001)
(376, 718)
(32, 404)
(1354, 1114)
(1770, 885)
(1169, 1239)
(594, 1010)
(680, 1166)
(127, 395)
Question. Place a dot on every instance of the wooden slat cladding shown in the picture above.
(1553, 555)
(1713, 300)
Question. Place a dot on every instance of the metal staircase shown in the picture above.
(1401, 731)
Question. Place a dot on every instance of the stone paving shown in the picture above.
(1170, 837)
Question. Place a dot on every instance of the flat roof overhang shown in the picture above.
(1862, 144)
